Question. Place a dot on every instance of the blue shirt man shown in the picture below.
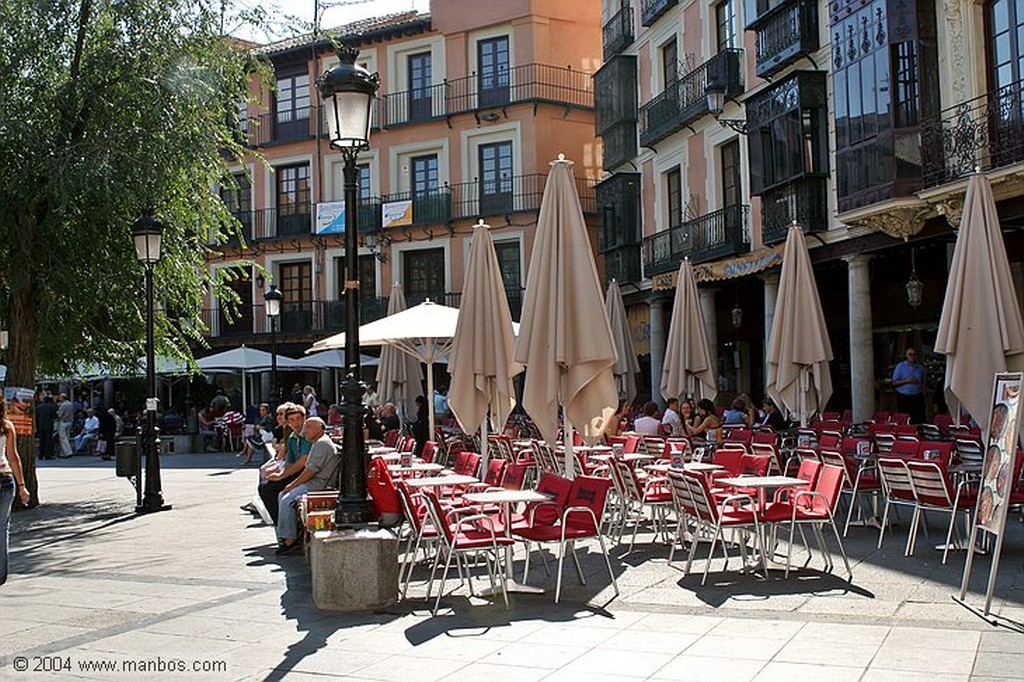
(908, 379)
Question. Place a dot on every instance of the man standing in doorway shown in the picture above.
(65, 416)
(908, 379)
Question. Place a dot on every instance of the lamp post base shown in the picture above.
(352, 511)
(151, 505)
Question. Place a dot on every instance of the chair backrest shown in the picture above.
(429, 449)
(501, 446)
(942, 422)
(829, 485)
(545, 456)
(895, 479)
(469, 464)
(437, 517)
(764, 436)
(938, 451)
(742, 436)
(829, 440)
(408, 445)
(850, 446)
(807, 453)
(590, 492)
(616, 440)
(558, 489)
(906, 449)
(755, 465)
(631, 445)
(833, 458)
(884, 441)
(627, 479)
(681, 493)
(703, 505)
(495, 470)
(904, 430)
(931, 484)
(411, 506)
(730, 459)
(808, 471)
(653, 445)
(769, 450)
(899, 418)
(830, 416)
(674, 446)
(847, 417)
(880, 417)
(969, 450)
(514, 476)
(391, 437)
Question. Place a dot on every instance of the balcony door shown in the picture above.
(1004, 28)
(424, 275)
(236, 194)
(293, 197)
(296, 282)
(510, 263)
(419, 86)
(495, 178)
(240, 323)
(291, 113)
(493, 74)
(334, 309)
(427, 201)
(732, 196)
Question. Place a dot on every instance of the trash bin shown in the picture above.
(127, 454)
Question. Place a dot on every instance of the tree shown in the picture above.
(108, 109)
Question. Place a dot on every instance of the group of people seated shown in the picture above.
(684, 417)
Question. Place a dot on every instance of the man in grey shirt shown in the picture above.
(65, 416)
(320, 473)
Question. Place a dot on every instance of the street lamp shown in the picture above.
(147, 232)
(272, 300)
(347, 92)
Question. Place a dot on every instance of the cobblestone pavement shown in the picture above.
(197, 593)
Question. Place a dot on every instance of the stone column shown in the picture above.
(658, 341)
(771, 293)
(862, 352)
(707, 309)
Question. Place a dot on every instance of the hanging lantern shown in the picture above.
(914, 286)
(737, 315)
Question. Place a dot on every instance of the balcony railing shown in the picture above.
(722, 233)
(536, 83)
(296, 318)
(294, 220)
(684, 100)
(651, 10)
(433, 207)
(279, 127)
(514, 194)
(514, 296)
(618, 32)
(804, 201)
(784, 34)
(985, 132)
(622, 264)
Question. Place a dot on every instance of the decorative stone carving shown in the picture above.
(952, 209)
(901, 222)
(957, 49)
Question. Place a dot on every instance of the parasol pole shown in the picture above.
(430, 396)
(483, 443)
(566, 429)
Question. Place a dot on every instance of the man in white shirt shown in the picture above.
(671, 418)
(648, 425)
(90, 432)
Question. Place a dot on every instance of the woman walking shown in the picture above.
(12, 482)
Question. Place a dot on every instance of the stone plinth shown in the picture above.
(354, 569)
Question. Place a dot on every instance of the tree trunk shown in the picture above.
(24, 330)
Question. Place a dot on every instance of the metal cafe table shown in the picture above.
(506, 498)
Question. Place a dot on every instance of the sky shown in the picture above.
(282, 14)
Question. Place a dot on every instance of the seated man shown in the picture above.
(320, 473)
(279, 473)
(90, 431)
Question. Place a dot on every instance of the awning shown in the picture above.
(740, 266)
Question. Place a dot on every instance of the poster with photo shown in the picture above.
(1000, 449)
(20, 409)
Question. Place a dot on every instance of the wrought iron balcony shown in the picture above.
(433, 207)
(804, 201)
(618, 196)
(985, 132)
(292, 220)
(524, 84)
(615, 111)
(513, 194)
(785, 33)
(296, 318)
(280, 127)
(622, 264)
(513, 294)
(722, 233)
(618, 32)
(651, 10)
(684, 100)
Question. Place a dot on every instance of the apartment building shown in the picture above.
(723, 121)
(475, 100)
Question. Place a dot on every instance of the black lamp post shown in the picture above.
(347, 92)
(146, 233)
(272, 300)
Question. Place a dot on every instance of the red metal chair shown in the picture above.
(514, 476)
(714, 518)
(899, 418)
(580, 519)
(906, 449)
(813, 507)
(829, 440)
(897, 489)
(429, 450)
(463, 533)
(651, 493)
(420, 531)
(934, 491)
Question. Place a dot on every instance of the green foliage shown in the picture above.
(108, 108)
